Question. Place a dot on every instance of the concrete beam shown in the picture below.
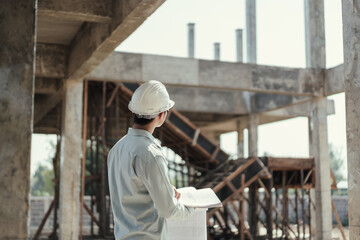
(78, 10)
(131, 67)
(47, 85)
(50, 60)
(298, 110)
(51, 123)
(267, 102)
(204, 100)
(351, 23)
(17, 59)
(334, 80)
(95, 41)
(233, 102)
(207, 100)
(46, 105)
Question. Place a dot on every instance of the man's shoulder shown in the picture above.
(140, 146)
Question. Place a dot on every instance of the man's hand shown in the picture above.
(177, 194)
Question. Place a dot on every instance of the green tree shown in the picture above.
(42, 182)
(336, 162)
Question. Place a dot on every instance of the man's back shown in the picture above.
(141, 194)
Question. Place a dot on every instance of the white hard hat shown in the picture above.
(150, 99)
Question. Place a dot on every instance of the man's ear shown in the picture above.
(163, 114)
(160, 115)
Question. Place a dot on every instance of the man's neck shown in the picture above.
(148, 127)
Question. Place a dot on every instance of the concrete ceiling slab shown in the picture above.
(56, 31)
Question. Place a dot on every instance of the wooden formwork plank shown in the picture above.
(290, 163)
(246, 184)
(234, 174)
(338, 219)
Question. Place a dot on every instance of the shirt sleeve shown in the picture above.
(154, 175)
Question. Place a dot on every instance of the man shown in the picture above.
(140, 191)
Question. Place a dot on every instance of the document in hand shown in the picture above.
(199, 198)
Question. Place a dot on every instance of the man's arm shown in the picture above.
(154, 176)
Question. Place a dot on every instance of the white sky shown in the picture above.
(280, 42)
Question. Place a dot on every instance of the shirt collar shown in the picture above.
(144, 133)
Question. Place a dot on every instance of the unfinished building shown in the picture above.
(59, 75)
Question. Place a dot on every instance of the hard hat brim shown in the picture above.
(170, 105)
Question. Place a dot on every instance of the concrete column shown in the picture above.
(253, 122)
(320, 152)
(315, 34)
(17, 51)
(191, 40)
(239, 45)
(351, 24)
(70, 160)
(312, 191)
(251, 52)
(315, 58)
(240, 139)
(251, 31)
(217, 51)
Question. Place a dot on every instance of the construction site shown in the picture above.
(60, 75)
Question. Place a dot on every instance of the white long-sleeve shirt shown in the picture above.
(141, 194)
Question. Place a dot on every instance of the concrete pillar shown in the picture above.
(251, 31)
(70, 160)
(320, 152)
(315, 58)
(351, 24)
(217, 51)
(239, 45)
(253, 122)
(315, 34)
(312, 191)
(191, 40)
(17, 41)
(240, 139)
(251, 52)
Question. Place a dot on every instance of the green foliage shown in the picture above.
(336, 162)
(42, 182)
(345, 222)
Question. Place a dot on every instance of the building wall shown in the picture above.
(38, 208)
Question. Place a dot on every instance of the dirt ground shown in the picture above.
(336, 234)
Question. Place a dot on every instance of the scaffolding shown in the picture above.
(254, 191)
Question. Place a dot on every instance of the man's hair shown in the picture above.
(142, 121)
